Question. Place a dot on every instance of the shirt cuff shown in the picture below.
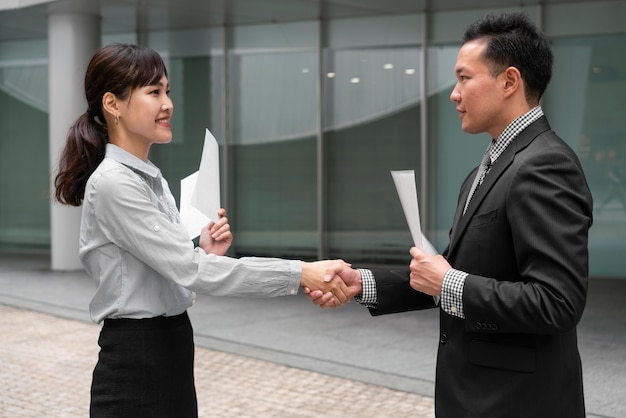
(368, 296)
(295, 277)
(452, 292)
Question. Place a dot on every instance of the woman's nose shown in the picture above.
(167, 105)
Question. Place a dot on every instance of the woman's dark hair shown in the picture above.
(118, 69)
(514, 41)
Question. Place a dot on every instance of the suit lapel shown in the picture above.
(465, 189)
(497, 171)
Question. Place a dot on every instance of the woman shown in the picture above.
(132, 244)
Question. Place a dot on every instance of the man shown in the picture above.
(513, 279)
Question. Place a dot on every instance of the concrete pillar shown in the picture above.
(73, 37)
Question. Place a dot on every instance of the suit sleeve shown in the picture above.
(394, 293)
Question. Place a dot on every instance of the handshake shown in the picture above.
(330, 283)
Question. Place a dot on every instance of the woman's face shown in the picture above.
(145, 116)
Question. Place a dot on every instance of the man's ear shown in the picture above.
(512, 81)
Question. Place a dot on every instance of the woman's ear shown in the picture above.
(110, 106)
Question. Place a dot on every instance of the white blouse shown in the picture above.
(140, 256)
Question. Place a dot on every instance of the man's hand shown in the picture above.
(427, 272)
(343, 271)
(315, 277)
(216, 237)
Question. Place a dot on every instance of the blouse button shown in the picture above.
(156, 228)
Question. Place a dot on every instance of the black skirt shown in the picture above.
(145, 369)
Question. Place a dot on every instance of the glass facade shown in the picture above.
(24, 189)
(312, 116)
(372, 126)
(272, 147)
(587, 106)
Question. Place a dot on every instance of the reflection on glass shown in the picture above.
(586, 104)
(273, 153)
(24, 172)
(371, 127)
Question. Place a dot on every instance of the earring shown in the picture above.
(117, 119)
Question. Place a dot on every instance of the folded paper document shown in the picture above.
(200, 191)
(407, 192)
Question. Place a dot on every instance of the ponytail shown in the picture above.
(84, 150)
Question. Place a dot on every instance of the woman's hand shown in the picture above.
(216, 238)
(323, 276)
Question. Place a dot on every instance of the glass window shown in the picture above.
(24, 211)
(372, 126)
(272, 152)
(587, 108)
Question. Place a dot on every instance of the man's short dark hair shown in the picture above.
(513, 40)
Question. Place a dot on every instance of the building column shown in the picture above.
(73, 37)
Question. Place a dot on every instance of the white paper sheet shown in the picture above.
(206, 195)
(405, 186)
(407, 192)
(190, 217)
(200, 191)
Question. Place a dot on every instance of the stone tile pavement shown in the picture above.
(46, 364)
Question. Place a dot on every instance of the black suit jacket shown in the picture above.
(523, 241)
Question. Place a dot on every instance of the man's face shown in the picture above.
(477, 93)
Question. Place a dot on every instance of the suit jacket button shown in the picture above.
(443, 339)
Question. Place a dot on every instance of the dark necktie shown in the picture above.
(480, 176)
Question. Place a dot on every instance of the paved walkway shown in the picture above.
(286, 357)
(46, 364)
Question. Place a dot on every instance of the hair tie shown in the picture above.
(94, 115)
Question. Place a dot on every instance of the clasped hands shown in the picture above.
(426, 276)
(330, 283)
